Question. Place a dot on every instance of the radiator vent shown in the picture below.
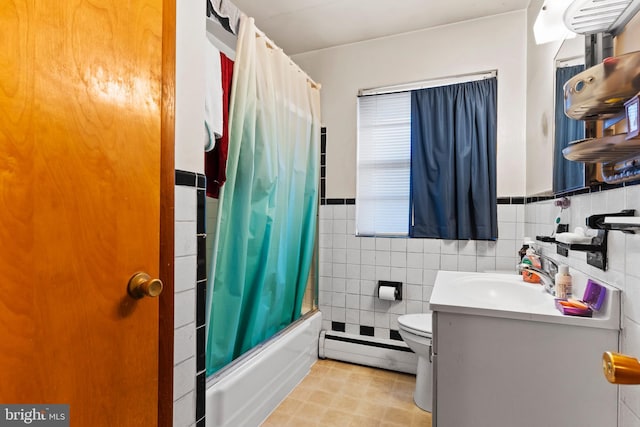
(369, 351)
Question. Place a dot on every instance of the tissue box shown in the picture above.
(594, 295)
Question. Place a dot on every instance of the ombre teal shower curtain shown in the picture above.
(267, 215)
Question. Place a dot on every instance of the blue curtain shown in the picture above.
(267, 215)
(567, 175)
(453, 161)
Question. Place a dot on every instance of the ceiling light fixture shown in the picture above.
(599, 16)
(549, 25)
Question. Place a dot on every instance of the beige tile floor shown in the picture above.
(338, 394)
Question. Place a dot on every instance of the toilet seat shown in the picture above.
(418, 324)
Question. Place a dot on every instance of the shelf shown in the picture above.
(580, 247)
(560, 228)
(608, 149)
(599, 92)
(626, 224)
(615, 173)
(619, 220)
(596, 251)
(604, 92)
(624, 221)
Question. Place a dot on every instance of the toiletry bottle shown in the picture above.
(531, 259)
(523, 250)
(563, 282)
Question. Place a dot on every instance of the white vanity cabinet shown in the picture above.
(499, 368)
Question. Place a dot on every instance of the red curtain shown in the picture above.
(215, 161)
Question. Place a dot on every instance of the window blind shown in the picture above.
(384, 160)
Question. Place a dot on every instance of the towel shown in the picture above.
(213, 120)
(215, 161)
(227, 13)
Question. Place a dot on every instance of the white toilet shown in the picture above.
(415, 330)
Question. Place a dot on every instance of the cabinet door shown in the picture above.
(500, 372)
(434, 356)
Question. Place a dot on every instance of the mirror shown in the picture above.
(584, 51)
(569, 61)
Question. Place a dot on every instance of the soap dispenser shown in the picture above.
(533, 260)
(563, 282)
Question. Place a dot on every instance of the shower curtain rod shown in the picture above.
(260, 33)
(272, 45)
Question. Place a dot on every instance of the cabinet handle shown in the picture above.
(620, 368)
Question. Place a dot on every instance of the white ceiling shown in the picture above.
(303, 25)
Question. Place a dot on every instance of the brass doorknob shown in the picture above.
(621, 369)
(142, 285)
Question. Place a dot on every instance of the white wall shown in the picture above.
(540, 113)
(189, 116)
(492, 43)
(192, 28)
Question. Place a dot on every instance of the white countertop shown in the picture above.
(508, 296)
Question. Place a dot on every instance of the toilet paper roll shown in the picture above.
(387, 293)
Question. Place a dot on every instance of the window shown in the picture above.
(427, 160)
(384, 160)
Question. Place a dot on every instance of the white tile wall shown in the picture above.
(184, 308)
(185, 197)
(184, 343)
(184, 379)
(623, 272)
(184, 411)
(351, 266)
(185, 273)
(185, 237)
(344, 297)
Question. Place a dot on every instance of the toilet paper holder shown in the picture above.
(391, 284)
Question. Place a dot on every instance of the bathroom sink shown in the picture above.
(501, 291)
(508, 296)
(503, 355)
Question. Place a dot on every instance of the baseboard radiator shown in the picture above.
(392, 355)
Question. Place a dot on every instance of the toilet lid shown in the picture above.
(419, 324)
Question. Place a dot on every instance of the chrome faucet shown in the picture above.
(547, 274)
(548, 281)
(552, 269)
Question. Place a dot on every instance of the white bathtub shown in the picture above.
(247, 392)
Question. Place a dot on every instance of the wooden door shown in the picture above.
(80, 137)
